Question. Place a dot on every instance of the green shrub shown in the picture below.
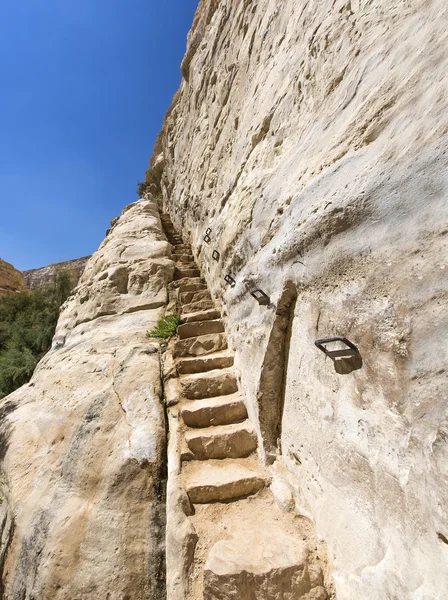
(166, 327)
(27, 325)
(147, 186)
(142, 188)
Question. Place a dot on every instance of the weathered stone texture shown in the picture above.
(260, 568)
(311, 139)
(83, 444)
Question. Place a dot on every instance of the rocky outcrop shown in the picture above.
(11, 280)
(83, 445)
(304, 156)
(37, 278)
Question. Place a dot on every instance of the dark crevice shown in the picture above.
(442, 538)
(271, 391)
(160, 516)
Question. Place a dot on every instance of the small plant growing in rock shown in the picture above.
(166, 327)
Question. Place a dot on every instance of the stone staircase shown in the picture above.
(218, 453)
(228, 538)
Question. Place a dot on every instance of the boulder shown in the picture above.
(261, 567)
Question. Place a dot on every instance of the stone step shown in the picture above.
(188, 281)
(183, 258)
(181, 248)
(221, 410)
(198, 328)
(201, 315)
(182, 272)
(200, 346)
(190, 266)
(237, 440)
(269, 562)
(202, 364)
(222, 480)
(193, 297)
(195, 307)
(219, 382)
(193, 287)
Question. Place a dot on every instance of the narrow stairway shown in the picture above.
(219, 461)
(226, 553)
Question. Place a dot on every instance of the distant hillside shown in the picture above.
(45, 276)
(11, 280)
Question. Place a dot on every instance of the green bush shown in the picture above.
(166, 327)
(27, 325)
(145, 186)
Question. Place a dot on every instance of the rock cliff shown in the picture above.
(305, 156)
(303, 173)
(83, 444)
(11, 280)
(36, 278)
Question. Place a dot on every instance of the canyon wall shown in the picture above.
(83, 445)
(307, 145)
(11, 280)
(36, 278)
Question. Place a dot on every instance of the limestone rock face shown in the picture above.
(83, 444)
(11, 280)
(310, 139)
(36, 278)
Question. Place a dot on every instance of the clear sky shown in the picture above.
(84, 88)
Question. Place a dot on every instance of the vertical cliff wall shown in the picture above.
(310, 139)
(82, 446)
(36, 278)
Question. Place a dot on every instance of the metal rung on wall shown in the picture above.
(230, 280)
(260, 297)
(350, 350)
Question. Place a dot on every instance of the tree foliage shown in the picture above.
(27, 325)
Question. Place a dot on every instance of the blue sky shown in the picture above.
(84, 88)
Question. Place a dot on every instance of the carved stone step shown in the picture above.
(202, 364)
(183, 258)
(198, 328)
(181, 248)
(237, 440)
(182, 272)
(199, 306)
(271, 564)
(200, 346)
(190, 266)
(222, 410)
(188, 281)
(222, 480)
(201, 315)
(206, 385)
(193, 297)
(191, 287)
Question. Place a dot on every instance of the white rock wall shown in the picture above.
(311, 138)
(83, 445)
